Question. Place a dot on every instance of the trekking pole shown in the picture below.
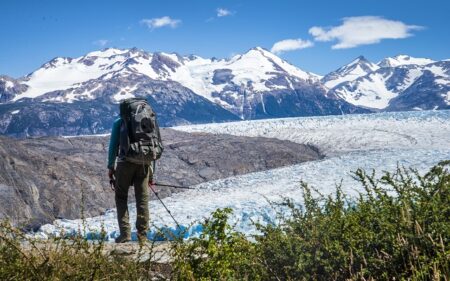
(171, 185)
(157, 196)
(164, 205)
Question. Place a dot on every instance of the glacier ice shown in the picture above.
(376, 141)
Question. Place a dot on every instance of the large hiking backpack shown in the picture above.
(140, 140)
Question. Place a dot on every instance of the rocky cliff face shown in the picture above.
(45, 178)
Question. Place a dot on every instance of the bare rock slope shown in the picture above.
(42, 179)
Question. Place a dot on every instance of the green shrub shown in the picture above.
(398, 228)
(220, 253)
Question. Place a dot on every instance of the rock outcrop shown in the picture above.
(43, 179)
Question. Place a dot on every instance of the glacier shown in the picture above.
(372, 141)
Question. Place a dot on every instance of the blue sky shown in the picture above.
(317, 36)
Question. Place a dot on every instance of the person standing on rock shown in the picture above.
(135, 144)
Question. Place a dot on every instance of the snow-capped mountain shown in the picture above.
(403, 60)
(398, 83)
(10, 87)
(80, 95)
(258, 68)
(429, 91)
(183, 89)
(357, 68)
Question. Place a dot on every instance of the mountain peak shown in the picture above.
(108, 52)
(359, 60)
(400, 60)
(405, 57)
(257, 48)
(359, 63)
(355, 69)
(261, 58)
(257, 65)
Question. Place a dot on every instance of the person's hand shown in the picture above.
(112, 180)
(151, 182)
(111, 174)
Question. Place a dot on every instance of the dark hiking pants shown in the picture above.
(128, 174)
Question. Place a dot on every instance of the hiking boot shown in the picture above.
(123, 238)
(142, 236)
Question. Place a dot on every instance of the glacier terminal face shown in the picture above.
(375, 141)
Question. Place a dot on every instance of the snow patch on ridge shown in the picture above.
(412, 76)
(106, 53)
(447, 98)
(8, 84)
(144, 66)
(368, 91)
(404, 60)
(289, 68)
(349, 77)
(125, 93)
(437, 70)
(67, 75)
(350, 72)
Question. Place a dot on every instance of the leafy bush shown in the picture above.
(398, 228)
(220, 253)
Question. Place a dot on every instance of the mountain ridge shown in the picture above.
(192, 89)
(378, 88)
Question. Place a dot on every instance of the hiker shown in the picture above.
(134, 145)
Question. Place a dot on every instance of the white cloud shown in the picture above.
(101, 42)
(221, 12)
(290, 45)
(161, 22)
(356, 31)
